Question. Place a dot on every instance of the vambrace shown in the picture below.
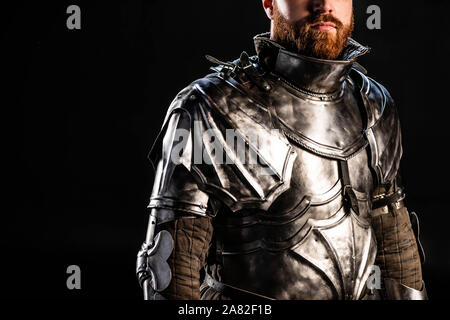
(169, 267)
(399, 251)
(153, 272)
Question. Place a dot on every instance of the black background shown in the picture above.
(84, 107)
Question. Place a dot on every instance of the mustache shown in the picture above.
(314, 19)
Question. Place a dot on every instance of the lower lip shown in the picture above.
(324, 27)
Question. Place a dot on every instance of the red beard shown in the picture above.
(308, 41)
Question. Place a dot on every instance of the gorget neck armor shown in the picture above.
(316, 76)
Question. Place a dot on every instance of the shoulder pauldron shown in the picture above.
(383, 128)
(232, 149)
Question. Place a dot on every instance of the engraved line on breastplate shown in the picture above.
(308, 200)
(270, 246)
(331, 253)
(336, 260)
(352, 288)
(300, 234)
(302, 207)
(333, 193)
(293, 241)
(264, 218)
(328, 97)
(243, 251)
(330, 222)
(298, 134)
(267, 218)
(294, 138)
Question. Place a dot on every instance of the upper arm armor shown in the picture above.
(175, 188)
(383, 129)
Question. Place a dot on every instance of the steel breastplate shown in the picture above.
(309, 244)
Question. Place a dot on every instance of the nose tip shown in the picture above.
(322, 6)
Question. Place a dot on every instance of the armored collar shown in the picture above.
(317, 76)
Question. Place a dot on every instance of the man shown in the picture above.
(277, 176)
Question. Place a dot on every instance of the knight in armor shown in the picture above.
(277, 175)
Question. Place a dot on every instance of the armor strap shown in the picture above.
(252, 73)
(416, 229)
(349, 193)
(231, 291)
(394, 200)
(245, 65)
